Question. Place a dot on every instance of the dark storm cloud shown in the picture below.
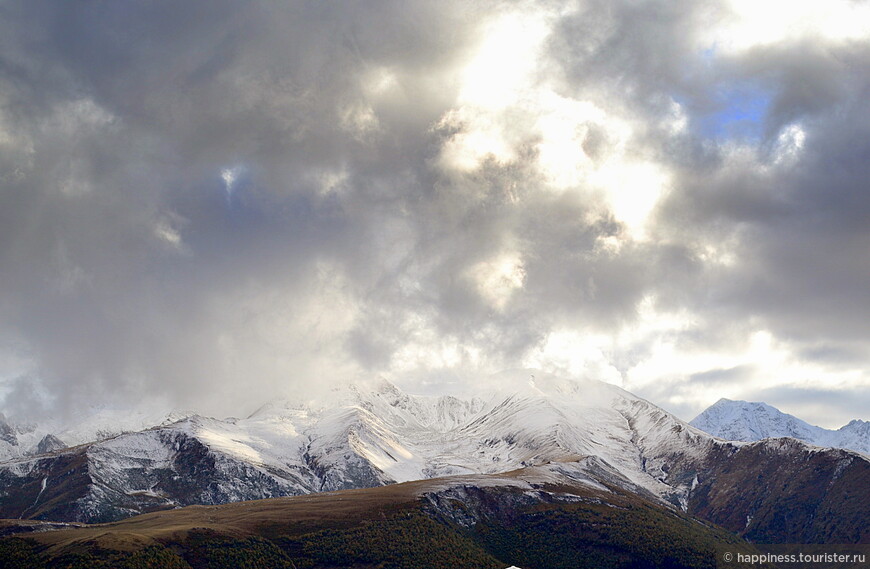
(127, 258)
(790, 208)
(802, 226)
(210, 200)
(133, 266)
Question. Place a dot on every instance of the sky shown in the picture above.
(210, 204)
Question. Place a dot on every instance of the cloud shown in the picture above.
(718, 376)
(202, 205)
(815, 405)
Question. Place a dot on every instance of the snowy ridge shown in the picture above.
(362, 438)
(18, 440)
(86, 426)
(747, 421)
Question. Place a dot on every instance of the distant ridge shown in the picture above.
(749, 421)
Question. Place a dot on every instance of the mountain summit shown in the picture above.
(747, 421)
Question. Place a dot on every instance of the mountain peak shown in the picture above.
(383, 385)
(754, 421)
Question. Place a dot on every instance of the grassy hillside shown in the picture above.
(467, 523)
(781, 491)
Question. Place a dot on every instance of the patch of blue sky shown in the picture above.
(709, 54)
(730, 111)
(738, 112)
(735, 110)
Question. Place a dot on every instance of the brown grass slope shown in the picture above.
(520, 518)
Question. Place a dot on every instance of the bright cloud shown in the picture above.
(780, 21)
(498, 279)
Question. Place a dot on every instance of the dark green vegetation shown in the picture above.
(779, 491)
(16, 553)
(435, 524)
(407, 541)
(603, 536)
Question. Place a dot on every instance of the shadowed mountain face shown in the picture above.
(775, 490)
(781, 491)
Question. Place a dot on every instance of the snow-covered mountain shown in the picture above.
(86, 426)
(361, 437)
(746, 421)
(358, 438)
(20, 440)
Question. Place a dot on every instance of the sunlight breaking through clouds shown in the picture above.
(664, 195)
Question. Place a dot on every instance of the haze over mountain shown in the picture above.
(22, 439)
(744, 421)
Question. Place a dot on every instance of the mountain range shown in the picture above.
(745, 421)
(580, 439)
